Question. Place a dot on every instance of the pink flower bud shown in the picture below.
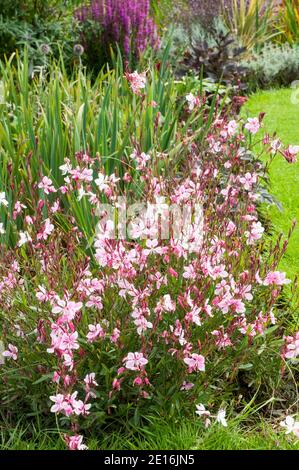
(173, 273)
(56, 377)
(116, 384)
(138, 381)
(67, 380)
(41, 204)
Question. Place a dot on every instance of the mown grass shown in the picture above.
(282, 116)
(161, 435)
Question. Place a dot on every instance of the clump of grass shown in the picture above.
(161, 435)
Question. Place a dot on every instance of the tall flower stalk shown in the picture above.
(127, 24)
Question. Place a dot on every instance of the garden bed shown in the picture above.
(148, 299)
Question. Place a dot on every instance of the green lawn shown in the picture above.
(283, 117)
(160, 435)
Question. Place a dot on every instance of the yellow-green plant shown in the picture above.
(250, 20)
(288, 21)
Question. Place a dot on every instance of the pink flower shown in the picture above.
(67, 309)
(291, 153)
(142, 324)
(89, 380)
(56, 377)
(215, 146)
(189, 272)
(116, 384)
(46, 230)
(66, 168)
(195, 362)
(68, 361)
(69, 341)
(75, 442)
(168, 304)
(276, 278)
(220, 418)
(28, 220)
(24, 238)
(192, 101)
(138, 381)
(248, 180)
(67, 380)
(18, 209)
(102, 182)
(173, 273)
(81, 408)
(59, 403)
(201, 410)
(193, 316)
(291, 348)
(256, 232)
(137, 81)
(63, 342)
(95, 332)
(237, 305)
(230, 228)
(290, 425)
(272, 318)
(135, 361)
(55, 207)
(115, 335)
(46, 185)
(141, 159)
(275, 145)
(186, 386)
(232, 127)
(81, 175)
(222, 339)
(63, 189)
(95, 301)
(43, 295)
(252, 125)
(11, 353)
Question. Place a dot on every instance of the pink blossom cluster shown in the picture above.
(291, 346)
(137, 81)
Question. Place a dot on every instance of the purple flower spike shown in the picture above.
(127, 23)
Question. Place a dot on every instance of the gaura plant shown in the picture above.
(103, 327)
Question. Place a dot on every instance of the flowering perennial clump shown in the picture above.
(129, 24)
(114, 320)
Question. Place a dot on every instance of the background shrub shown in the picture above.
(251, 21)
(35, 24)
(218, 61)
(275, 65)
